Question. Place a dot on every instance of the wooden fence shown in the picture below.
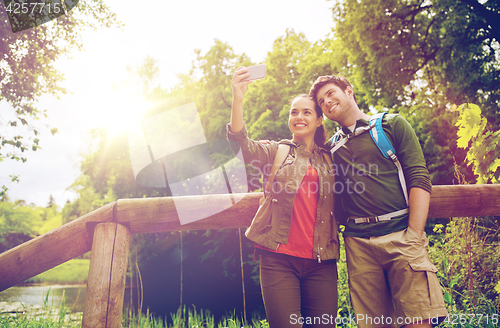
(106, 232)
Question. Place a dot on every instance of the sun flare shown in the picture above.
(122, 111)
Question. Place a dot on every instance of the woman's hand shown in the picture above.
(238, 86)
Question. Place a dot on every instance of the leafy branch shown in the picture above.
(482, 143)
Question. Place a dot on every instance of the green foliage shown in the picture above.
(74, 271)
(344, 302)
(483, 144)
(27, 70)
(208, 85)
(292, 66)
(417, 57)
(466, 253)
(434, 125)
(18, 223)
(465, 250)
(447, 46)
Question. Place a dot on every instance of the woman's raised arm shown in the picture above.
(239, 89)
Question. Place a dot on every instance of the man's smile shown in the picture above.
(333, 107)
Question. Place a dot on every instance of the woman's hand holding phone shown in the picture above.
(238, 85)
(239, 88)
(241, 78)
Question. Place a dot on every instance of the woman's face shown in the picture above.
(303, 119)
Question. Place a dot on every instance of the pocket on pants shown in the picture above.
(426, 286)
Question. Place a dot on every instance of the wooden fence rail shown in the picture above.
(107, 231)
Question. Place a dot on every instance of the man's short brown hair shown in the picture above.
(321, 81)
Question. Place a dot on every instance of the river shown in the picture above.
(36, 296)
(156, 299)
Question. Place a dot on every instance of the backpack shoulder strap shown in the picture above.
(281, 155)
(335, 138)
(328, 158)
(386, 148)
(379, 137)
(336, 142)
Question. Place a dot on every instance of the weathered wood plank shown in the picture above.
(465, 200)
(159, 214)
(107, 272)
(118, 277)
(51, 249)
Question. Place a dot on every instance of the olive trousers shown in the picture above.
(298, 292)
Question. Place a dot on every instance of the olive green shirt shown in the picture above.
(368, 182)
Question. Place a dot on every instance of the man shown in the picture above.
(391, 279)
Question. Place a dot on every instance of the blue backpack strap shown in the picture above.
(335, 138)
(386, 148)
(379, 137)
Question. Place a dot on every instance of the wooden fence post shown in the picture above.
(106, 281)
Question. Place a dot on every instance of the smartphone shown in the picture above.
(256, 72)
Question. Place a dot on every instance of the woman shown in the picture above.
(294, 229)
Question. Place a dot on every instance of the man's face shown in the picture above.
(334, 102)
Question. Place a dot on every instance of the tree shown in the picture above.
(400, 48)
(212, 92)
(106, 172)
(420, 57)
(292, 67)
(266, 103)
(18, 224)
(482, 144)
(27, 71)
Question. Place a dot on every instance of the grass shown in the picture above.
(49, 317)
(72, 272)
(190, 318)
(45, 317)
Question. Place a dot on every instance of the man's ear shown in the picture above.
(349, 92)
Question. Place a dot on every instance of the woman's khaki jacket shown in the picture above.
(271, 225)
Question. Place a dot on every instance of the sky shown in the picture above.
(168, 31)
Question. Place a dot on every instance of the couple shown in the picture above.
(391, 280)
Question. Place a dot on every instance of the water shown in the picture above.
(160, 300)
(74, 296)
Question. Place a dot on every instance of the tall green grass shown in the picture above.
(46, 317)
(190, 318)
(50, 317)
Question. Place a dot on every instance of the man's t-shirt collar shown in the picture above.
(361, 122)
